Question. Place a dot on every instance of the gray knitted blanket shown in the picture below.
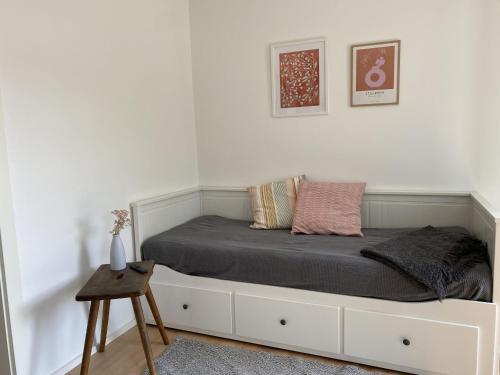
(432, 256)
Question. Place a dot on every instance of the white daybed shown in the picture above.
(456, 337)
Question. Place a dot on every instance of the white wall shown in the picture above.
(5, 357)
(98, 109)
(487, 127)
(419, 144)
(8, 264)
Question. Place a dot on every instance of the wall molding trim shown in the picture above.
(380, 209)
(163, 211)
(368, 191)
(487, 207)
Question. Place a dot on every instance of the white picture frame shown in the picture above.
(294, 96)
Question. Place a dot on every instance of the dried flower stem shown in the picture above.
(122, 220)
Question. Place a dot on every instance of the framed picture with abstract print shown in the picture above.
(375, 73)
(298, 73)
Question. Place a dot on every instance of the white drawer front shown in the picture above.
(432, 346)
(291, 323)
(192, 307)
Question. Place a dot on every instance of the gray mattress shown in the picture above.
(216, 247)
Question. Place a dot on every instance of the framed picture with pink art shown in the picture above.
(375, 73)
(299, 81)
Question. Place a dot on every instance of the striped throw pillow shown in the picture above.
(329, 208)
(273, 204)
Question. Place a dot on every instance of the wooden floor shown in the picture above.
(124, 356)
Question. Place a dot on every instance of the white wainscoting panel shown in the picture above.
(155, 215)
(405, 211)
(379, 209)
(227, 202)
(484, 226)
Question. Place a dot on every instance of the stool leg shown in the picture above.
(89, 337)
(104, 326)
(156, 314)
(141, 325)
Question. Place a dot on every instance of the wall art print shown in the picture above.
(375, 73)
(298, 72)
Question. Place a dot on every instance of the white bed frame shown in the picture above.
(454, 337)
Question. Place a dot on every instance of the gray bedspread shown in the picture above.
(216, 247)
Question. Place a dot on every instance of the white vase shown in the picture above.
(117, 254)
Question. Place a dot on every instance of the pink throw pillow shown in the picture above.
(329, 208)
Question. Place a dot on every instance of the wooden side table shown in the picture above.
(106, 285)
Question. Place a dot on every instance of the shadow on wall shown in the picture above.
(52, 308)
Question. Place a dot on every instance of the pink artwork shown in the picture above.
(375, 68)
(299, 79)
(375, 73)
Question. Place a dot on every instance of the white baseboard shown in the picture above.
(78, 359)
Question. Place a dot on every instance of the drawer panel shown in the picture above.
(292, 323)
(208, 310)
(428, 345)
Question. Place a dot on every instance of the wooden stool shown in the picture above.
(106, 285)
